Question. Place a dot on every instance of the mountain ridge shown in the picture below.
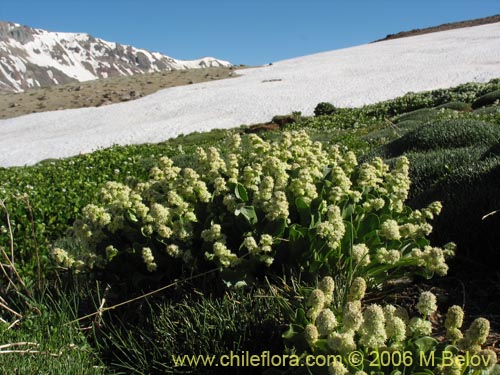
(442, 27)
(31, 57)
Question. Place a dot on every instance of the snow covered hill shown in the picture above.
(347, 77)
(33, 58)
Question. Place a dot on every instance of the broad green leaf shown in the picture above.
(249, 214)
(425, 344)
(241, 192)
(301, 204)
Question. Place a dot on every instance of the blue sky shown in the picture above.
(248, 32)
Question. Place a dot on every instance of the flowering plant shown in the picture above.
(264, 204)
(384, 339)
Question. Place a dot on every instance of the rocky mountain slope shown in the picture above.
(31, 58)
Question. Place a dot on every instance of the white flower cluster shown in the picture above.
(62, 257)
(383, 328)
(333, 229)
(453, 323)
(220, 251)
(149, 260)
(264, 182)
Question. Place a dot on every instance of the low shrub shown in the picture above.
(446, 134)
(492, 151)
(277, 204)
(43, 200)
(429, 167)
(487, 99)
(456, 106)
(343, 118)
(408, 125)
(383, 136)
(492, 110)
(324, 108)
(468, 192)
(421, 115)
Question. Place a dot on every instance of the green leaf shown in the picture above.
(326, 172)
(241, 192)
(276, 228)
(249, 214)
(369, 224)
(301, 204)
(425, 344)
(289, 333)
(322, 345)
(348, 211)
(300, 317)
(132, 217)
(296, 231)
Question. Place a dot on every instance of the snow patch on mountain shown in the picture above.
(27, 55)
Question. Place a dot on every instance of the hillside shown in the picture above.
(31, 58)
(103, 91)
(443, 27)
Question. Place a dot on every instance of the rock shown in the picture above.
(262, 127)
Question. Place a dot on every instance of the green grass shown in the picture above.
(192, 325)
(57, 347)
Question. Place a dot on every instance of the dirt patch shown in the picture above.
(103, 91)
(443, 27)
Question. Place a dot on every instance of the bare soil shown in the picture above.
(103, 91)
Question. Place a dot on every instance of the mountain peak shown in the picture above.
(31, 58)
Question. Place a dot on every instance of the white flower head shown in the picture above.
(342, 342)
(454, 317)
(427, 303)
(476, 335)
(357, 290)
(316, 299)
(390, 230)
(326, 322)
(372, 331)
(419, 327)
(360, 253)
(311, 334)
(353, 317)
